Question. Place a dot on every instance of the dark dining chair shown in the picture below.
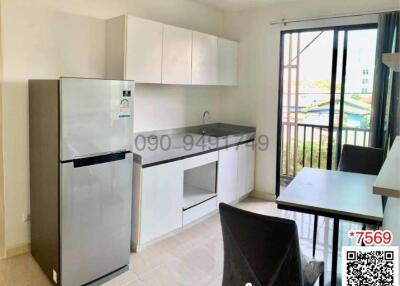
(264, 250)
(357, 159)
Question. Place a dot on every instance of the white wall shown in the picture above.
(255, 101)
(52, 38)
(167, 106)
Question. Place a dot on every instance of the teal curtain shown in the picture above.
(385, 119)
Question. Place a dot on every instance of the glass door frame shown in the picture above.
(336, 30)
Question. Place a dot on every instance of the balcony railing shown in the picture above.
(305, 145)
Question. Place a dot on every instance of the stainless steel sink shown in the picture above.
(216, 132)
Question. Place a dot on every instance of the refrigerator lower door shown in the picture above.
(95, 217)
(96, 116)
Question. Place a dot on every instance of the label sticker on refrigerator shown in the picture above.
(126, 93)
(124, 109)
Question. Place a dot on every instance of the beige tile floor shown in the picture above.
(192, 257)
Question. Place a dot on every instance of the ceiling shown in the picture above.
(237, 5)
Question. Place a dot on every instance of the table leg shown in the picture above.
(335, 250)
(315, 235)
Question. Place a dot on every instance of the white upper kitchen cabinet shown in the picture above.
(246, 165)
(204, 59)
(227, 62)
(161, 200)
(134, 49)
(115, 47)
(177, 55)
(143, 50)
(227, 183)
(152, 52)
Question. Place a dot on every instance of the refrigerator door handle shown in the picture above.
(100, 159)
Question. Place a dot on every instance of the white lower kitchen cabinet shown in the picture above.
(227, 186)
(199, 211)
(160, 200)
(246, 165)
(171, 195)
(235, 172)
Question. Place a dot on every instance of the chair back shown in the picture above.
(364, 160)
(259, 249)
(358, 159)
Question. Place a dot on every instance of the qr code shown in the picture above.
(375, 266)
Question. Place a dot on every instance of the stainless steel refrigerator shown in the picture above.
(81, 177)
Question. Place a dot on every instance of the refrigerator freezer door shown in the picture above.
(95, 218)
(96, 116)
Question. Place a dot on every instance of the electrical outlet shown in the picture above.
(26, 217)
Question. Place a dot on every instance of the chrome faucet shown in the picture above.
(204, 120)
(204, 116)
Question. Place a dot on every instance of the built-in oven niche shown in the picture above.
(199, 185)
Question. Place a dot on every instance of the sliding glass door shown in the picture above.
(353, 111)
(325, 95)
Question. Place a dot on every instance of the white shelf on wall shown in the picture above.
(388, 181)
(392, 60)
(193, 195)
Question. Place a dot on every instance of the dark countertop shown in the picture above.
(162, 146)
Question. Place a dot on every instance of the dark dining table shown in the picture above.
(334, 194)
